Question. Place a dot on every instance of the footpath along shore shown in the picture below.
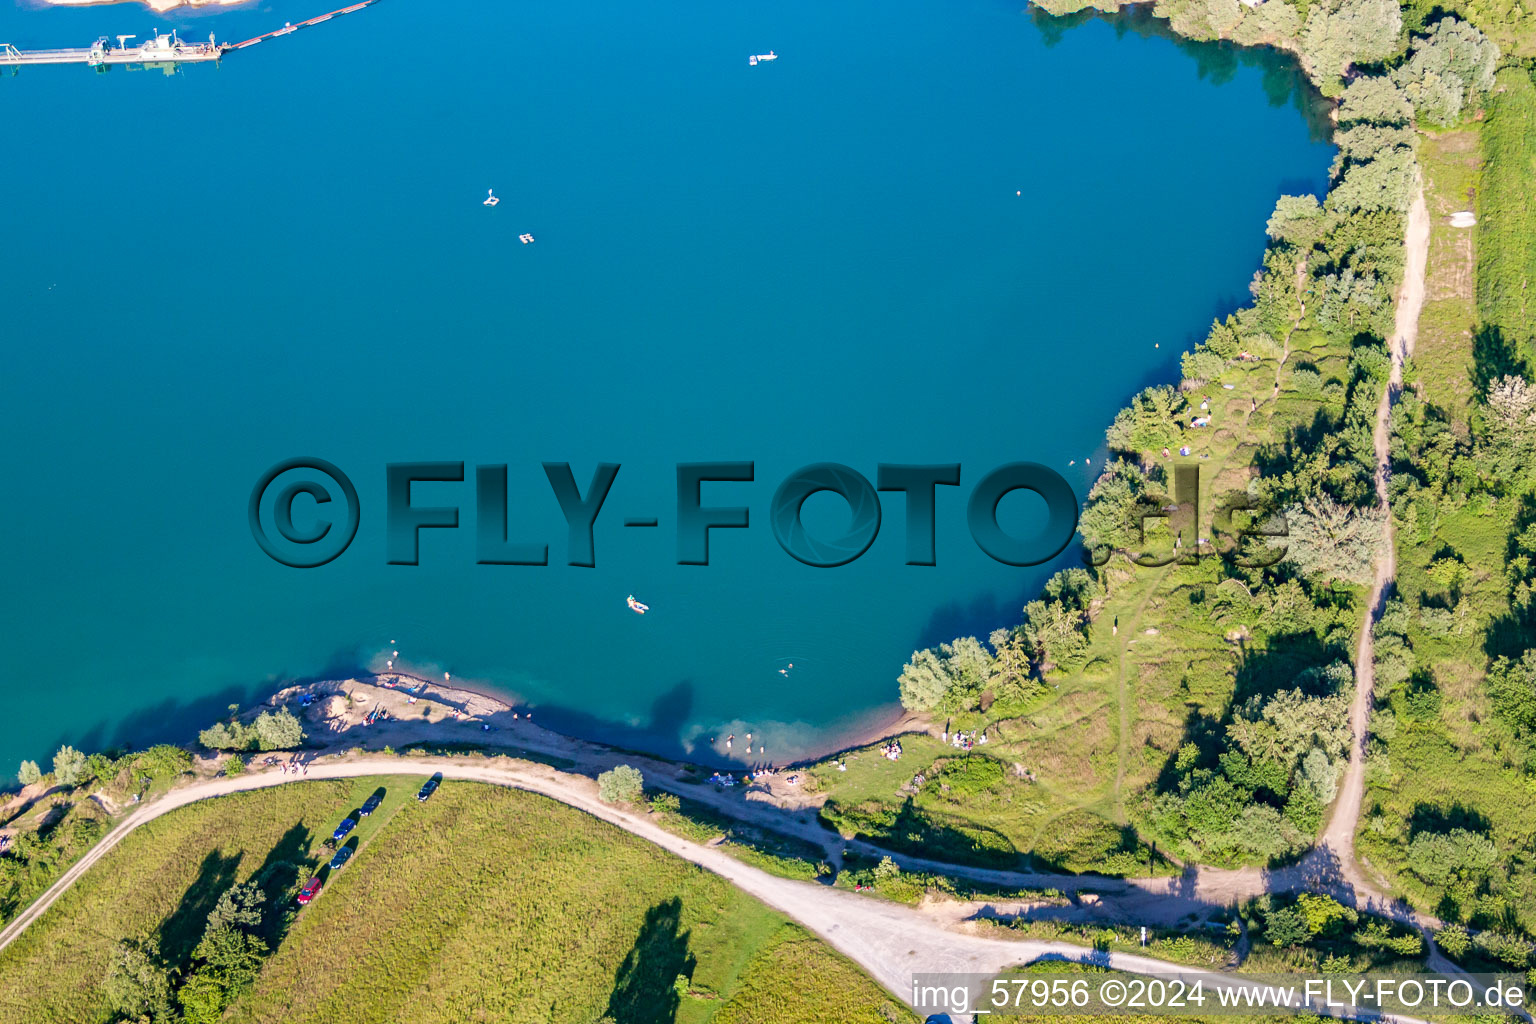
(890, 941)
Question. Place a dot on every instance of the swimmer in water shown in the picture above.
(728, 740)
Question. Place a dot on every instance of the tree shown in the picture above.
(1362, 143)
(137, 987)
(1329, 542)
(1512, 689)
(622, 784)
(238, 907)
(1322, 913)
(1443, 857)
(1446, 70)
(1303, 811)
(162, 761)
(1009, 677)
(1150, 422)
(226, 736)
(1297, 220)
(29, 773)
(1117, 501)
(227, 960)
(1374, 99)
(1511, 949)
(1509, 426)
(1289, 724)
(100, 768)
(1454, 940)
(1055, 632)
(1261, 832)
(947, 678)
(69, 766)
(1339, 33)
(1321, 774)
(887, 870)
(1385, 183)
(1286, 927)
(278, 730)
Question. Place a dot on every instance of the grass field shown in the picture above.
(1506, 265)
(54, 834)
(481, 904)
(1456, 766)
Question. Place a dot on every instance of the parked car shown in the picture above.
(342, 856)
(342, 829)
(310, 891)
(371, 804)
(430, 787)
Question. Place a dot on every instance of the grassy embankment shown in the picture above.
(1441, 757)
(61, 826)
(1171, 650)
(481, 904)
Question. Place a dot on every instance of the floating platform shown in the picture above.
(165, 49)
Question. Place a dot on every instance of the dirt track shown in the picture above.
(890, 941)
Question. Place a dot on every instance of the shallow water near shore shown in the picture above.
(927, 233)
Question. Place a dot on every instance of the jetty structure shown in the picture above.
(164, 49)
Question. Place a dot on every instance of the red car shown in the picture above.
(310, 891)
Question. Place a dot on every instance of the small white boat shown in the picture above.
(636, 606)
(490, 198)
(526, 239)
(759, 58)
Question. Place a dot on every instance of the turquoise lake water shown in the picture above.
(930, 232)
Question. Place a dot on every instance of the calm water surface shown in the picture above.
(930, 232)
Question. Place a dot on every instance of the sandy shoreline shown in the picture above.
(396, 709)
(158, 6)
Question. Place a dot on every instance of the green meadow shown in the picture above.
(480, 904)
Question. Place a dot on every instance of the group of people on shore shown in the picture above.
(964, 740)
(892, 750)
(293, 765)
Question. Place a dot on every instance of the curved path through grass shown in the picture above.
(888, 940)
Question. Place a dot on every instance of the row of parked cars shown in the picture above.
(312, 888)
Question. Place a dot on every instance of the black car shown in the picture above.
(430, 786)
(342, 856)
(371, 804)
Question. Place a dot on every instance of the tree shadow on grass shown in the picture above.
(1509, 635)
(180, 932)
(644, 990)
(1495, 356)
(287, 865)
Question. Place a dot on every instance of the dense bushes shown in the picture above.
(621, 784)
(271, 730)
(964, 674)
